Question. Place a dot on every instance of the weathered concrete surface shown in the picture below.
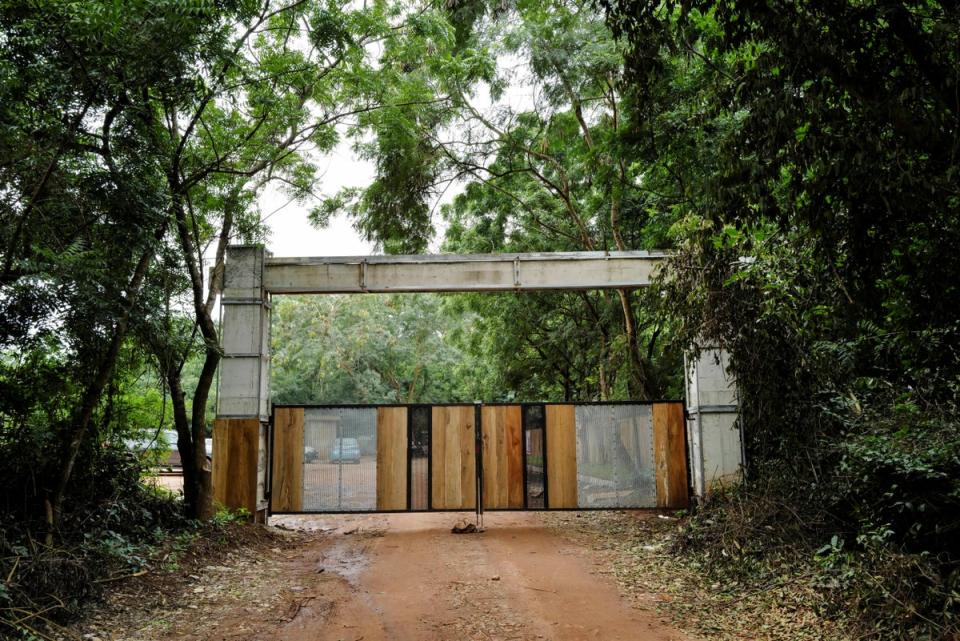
(451, 273)
(713, 433)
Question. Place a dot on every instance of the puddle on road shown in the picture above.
(347, 559)
(349, 537)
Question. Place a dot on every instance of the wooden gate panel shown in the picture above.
(514, 438)
(561, 456)
(502, 456)
(670, 455)
(392, 458)
(235, 450)
(286, 494)
(453, 458)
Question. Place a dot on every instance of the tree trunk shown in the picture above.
(184, 439)
(604, 391)
(202, 506)
(199, 478)
(639, 385)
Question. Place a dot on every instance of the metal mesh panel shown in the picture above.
(419, 458)
(340, 459)
(535, 455)
(615, 465)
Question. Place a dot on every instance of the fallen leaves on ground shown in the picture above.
(636, 550)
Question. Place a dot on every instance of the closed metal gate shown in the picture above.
(531, 456)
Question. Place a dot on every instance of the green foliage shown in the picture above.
(549, 346)
(112, 525)
(368, 349)
(225, 517)
(85, 210)
(433, 348)
(136, 135)
(546, 173)
(810, 152)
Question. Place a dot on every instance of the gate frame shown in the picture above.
(252, 275)
(410, 409)
(523, 433)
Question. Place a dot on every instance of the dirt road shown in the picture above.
(390, 577)
(406, 576)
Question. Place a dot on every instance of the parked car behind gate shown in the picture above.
(345, 450)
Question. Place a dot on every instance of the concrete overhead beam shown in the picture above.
(455, 273)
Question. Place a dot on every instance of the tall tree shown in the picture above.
(265, 103)
(528, 111)
(811, 150)
(177, 116)
(81, 177)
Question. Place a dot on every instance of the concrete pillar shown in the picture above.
(243, 392)
(713, 432)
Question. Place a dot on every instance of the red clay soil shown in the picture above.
(406, 577)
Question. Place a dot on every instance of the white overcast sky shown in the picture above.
(291, 234)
